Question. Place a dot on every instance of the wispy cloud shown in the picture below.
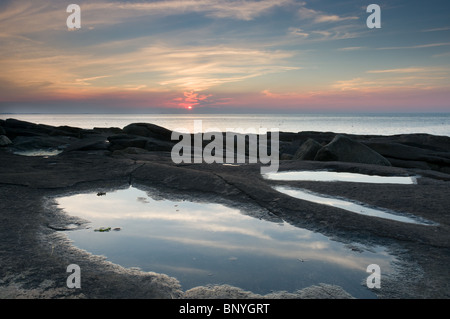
(161, 66)
(419, 46)
(402, 70)
(436, 29)
(25, 17)
(321, 17)
(351, 48)
(410, 78)
(298, 32)
(239, 10)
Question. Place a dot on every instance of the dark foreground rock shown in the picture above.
(308, 150)
(34, 253)
(4, 141)
(344, 149)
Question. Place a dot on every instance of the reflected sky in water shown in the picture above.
(346, 204)
(328, 176)
(38, 152)
(205, 243)
(351, 206)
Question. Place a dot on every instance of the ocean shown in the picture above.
(364, 124)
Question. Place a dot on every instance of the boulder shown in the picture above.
(344, 149)
(88, 144)
(122, 141)
(16, 128)
(410, 153)
(148, 130)
(285, 157)
(27, 143)
(308, 150)
(153, 144)
(4, 141)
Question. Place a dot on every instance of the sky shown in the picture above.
(224, 56)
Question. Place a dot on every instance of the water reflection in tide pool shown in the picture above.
(351, 206)
(38, 152)
(205, 243)
(328, 176)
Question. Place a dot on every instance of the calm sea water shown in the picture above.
(372, 124)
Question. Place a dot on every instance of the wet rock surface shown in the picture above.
(34, 253)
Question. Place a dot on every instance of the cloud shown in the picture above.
(86, 81)
(192, 99)
(411, 78)
(32, 54)
(351, 48)
(401, 70)
(321, 17)
(298, 32)
(419, 46)
(159, 67)
(27, 17)
(436, 29)
(238, 10)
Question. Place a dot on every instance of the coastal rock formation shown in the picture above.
(123, 141)
(34, 257)
(344, 149)
(148, 130)
(308, 150)
(4, 141)
(417, 151)
(424, 156)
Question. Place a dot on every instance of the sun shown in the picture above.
(189, 107)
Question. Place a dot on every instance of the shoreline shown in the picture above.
(34, 254)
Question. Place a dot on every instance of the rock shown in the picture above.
(130, 150)
(16, 128)
(89, 144)
(324, 291)
(148, 130)
(26, 143)
(427, 141)
(158, 145)
(408, 164)
(344, 149)
(308, 150)
(285, 157)
(108, 130)
(2, 131)
(4, 141)
(122, 141)
(411, 153)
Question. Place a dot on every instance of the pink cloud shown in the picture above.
(191, 99)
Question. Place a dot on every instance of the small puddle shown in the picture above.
(38, 152)
(206, 243)
(328, 176)
(351, 206)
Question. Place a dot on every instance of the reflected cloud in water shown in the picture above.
(207, 243)
(328, 176)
